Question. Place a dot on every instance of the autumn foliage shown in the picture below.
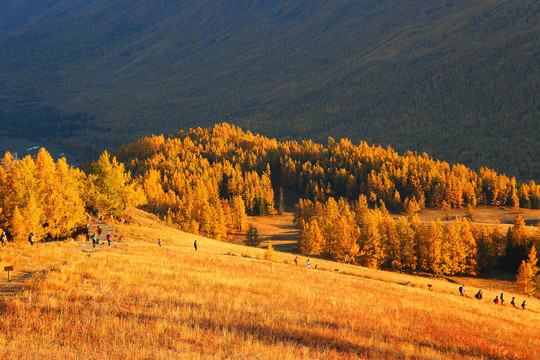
(51, 199)
(206, 181)
(238, 161)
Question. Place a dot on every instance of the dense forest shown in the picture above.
(455, 79)
(339, 169)
(52, 199)
(207, 181)
(357, 234)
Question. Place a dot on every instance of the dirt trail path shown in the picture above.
(89, 246)
(276, 229)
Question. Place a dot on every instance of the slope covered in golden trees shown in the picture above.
(337, 169)
(52, 199)
(207, 181)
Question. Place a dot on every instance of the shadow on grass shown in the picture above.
(312, 339)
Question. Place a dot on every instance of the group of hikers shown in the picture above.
(3, 239)
(479, 295)
(94, 237)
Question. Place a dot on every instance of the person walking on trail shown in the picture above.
(87, 233)
(195, 245)
(315, 266)
(3, 238)
(496, 300)
(159, 242)
(502, 298)
(513, 302)
(296, 260)
(523, 305)
(462, 290)
(94, 240)
(31, 238)
(109, 239)
(478, 295)
(308, 264)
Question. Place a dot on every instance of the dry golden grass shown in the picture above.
(224, 302)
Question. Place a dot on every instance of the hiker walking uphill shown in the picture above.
(109, 238)
(513, 302)
(478, 295)
(195, 245)
(296, 260)
(94, 240)
(31, 238)
(502, 298)
(462, 290)
(3, 238)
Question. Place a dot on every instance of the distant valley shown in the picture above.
(22, 147)
(456, 79)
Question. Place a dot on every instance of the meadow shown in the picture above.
(224, 301)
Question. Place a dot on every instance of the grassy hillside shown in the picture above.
(455, 79)
(223, 301)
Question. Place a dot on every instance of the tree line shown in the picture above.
(207, 181)
(51, 199)
(355, 233)
(339, 169)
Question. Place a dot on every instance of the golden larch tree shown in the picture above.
(526, 274)
(18, 227)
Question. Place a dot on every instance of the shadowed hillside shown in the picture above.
(456, 79)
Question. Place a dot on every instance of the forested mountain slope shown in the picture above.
(457, 79)
(205, 181)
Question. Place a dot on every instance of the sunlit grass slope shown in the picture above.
(224, 302)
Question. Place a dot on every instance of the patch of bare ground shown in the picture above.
(486, 215)
(278, 230)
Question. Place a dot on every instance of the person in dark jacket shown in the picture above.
(478, 295)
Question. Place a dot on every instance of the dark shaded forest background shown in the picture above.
(456, 79)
